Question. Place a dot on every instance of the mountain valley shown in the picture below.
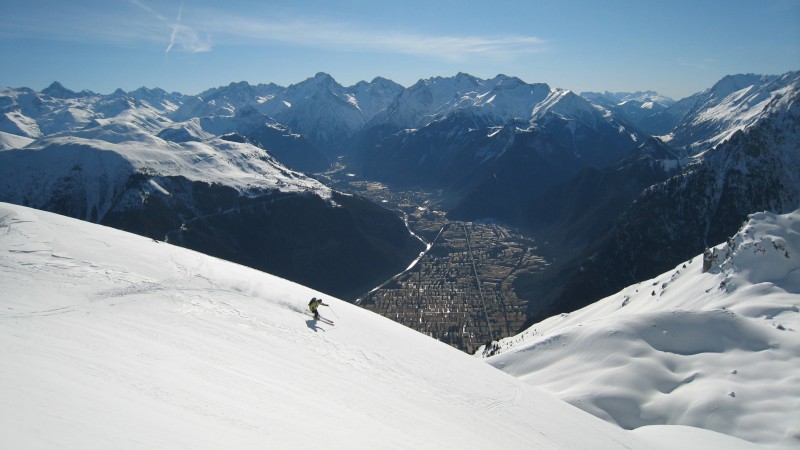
(526, 200)
(590, 246)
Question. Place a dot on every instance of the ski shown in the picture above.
(321, 319)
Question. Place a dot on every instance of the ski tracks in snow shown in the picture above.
(497, 405)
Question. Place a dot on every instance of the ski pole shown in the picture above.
(334, 312)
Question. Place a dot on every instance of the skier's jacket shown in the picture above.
(314, 304)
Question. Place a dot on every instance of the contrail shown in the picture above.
(150, 10)
(186, 38)
(175, 27)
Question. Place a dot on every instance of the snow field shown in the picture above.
(115, 340)
(717, 350)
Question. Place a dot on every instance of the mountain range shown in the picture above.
(576, 171)
(756, 169)
(639, 202)
(119, 160)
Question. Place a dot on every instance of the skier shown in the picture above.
(314, 304)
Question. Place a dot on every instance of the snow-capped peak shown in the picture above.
(497, 100)
(96, 163)
(57, 90)
(733, 83)
(619, 98)
(734, 103)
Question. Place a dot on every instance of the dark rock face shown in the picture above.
(535, 161)
(342, 249)
(441, 155)
(576, 212)
(573, 216)
(343, 246)
(292, 150)
(488, 171)
(673, 221)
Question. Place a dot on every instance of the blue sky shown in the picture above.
(675, 47)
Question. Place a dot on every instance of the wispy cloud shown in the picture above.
(193, 27)
(353, 37)
(150, 10)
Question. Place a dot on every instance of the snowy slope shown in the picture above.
(640, 108)
(610, 99)
(715, 348)
(16, 123)
(322, 110)
(105, 151)
(99, 169)
(499, 100)
(496, 101)
(734, 103)
(112, 340)
(226, 100)
(9, 141)
(57, 109)
(419, 104)
(319, 107)
(373, 97)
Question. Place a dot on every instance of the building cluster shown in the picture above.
(460, 292)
